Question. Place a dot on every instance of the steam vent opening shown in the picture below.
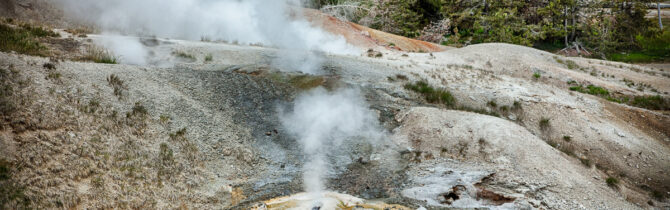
(334, 104)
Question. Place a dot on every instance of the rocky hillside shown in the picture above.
(489, 125)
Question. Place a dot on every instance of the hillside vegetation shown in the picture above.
(615, 30)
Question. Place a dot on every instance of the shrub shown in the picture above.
(431, 94)
(544, 123)
(179, 135)
(537, 75)
(611, 181)
(99, 55)
(585, 161)
(139, 109)
(567, 138)
(209, 57)
(493, 104)
(49, 66)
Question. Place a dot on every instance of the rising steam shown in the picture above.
(322, 121)
(277, 23)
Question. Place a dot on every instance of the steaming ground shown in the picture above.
(235, 151)
(171, 129)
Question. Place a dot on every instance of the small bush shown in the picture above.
(401, 77)
(537, 75)
(49, 66)
(139, 109)
(431, 94)
(612, 182)
(585, 161)
(209, 58)
(544, 123)
(179, 135)
(99, 55)
(567, 138)
(493, 104)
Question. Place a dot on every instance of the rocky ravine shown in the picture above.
(200, 134)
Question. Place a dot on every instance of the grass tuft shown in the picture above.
(99, 55)
(139, 109)
(432, 95)
(545, 123)
(117, 84)
(612, 182)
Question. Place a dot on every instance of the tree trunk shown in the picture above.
(565, 26)
(660, 23)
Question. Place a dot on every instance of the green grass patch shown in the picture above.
(656, 102)
(537, 75)
(432, 95)
(651, 49)
(39, 31)
(21, 40)
(651, 102)
(635, 57)
(591, 89)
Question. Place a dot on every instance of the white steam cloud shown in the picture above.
(322, 121)
(276, 23)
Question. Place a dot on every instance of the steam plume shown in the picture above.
(322, 121)
(271, 22)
